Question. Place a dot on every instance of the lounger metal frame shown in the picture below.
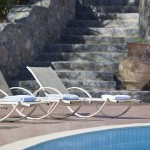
(46, 76)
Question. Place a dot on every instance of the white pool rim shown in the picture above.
(26, 143)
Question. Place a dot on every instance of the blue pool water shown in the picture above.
(131, 138)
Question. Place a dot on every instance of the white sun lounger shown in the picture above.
(47, 78)
(15, 104)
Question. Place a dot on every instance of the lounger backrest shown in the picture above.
(4, 86)
(47, 77)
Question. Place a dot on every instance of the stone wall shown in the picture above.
(29, 30)
(144, 22)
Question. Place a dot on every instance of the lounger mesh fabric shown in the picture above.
(49, 77)
(4, 86)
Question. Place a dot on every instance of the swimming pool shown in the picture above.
(128, 138)
(118, 137)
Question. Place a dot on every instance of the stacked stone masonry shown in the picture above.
(29, 30)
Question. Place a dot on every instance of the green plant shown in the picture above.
(5, 5)
(139, 40)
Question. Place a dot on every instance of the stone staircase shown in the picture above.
(87, 54)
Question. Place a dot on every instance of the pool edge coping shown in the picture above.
(26, 143)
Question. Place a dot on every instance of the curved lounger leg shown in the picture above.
(26, 115)
(4, 114)
(49, 112)
(110, 114)
(8, 109)
(49, 107)
(101, 108)
(21, 111)
(89, 115)
(66, 115)
(92, 111)
(46, 113)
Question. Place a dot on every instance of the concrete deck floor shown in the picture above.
(14, 131)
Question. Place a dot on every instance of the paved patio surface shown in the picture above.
(14, 131)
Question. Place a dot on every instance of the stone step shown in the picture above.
(24, 74)
(85, 84)
(86, 75)
(52, 56)
(90, 56)
(31, 85)
(107, 16)
(39, 63)
(108, 2)
(118, 48)
(102, 31)
(83, 39)
(90, 84)
(85, 65)
(73, 75)
(105, 23)
(106, 9)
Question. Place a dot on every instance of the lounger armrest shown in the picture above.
(82, 90)
(21, 89)
(43, 89)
